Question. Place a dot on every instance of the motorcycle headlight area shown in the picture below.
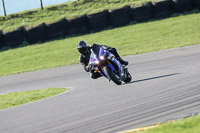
(102, 57)
(97, 62)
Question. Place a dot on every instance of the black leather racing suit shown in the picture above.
(84, 59)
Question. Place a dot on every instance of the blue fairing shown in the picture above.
(101, 50)
(112, 68)
(92, 58)
(95, 56)
(119, 70)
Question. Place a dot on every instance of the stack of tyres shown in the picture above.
(78, 26)
(162, 9)
(14, 38)
(36, 34)
(119, 17)
(1, 40)
(181, 6)
(98, 21)
(141, 13)
(197, 4)
(57, 29)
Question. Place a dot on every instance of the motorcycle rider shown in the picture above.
(84, 58)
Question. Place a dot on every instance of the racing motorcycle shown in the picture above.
(104, 62)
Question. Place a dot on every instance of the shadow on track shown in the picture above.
(163, 76)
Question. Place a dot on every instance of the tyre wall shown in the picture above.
(119, 17)
(14, 38)
(1, 40)
(78, 26)
(56, 29)
(162, 9)
(36, 34)
(98, 21)
(141, 13)
(196, 4)
(181, 6)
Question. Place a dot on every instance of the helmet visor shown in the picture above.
(82, 50)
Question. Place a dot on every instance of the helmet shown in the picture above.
(82, 47)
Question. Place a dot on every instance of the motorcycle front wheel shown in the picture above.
(113, 76)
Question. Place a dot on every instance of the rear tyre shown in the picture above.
(128, 76)
(114, 77)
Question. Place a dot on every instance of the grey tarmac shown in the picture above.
(165, 85)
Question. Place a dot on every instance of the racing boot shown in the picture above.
(122, 61)
(114, 51)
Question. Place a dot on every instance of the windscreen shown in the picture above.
(95, 51)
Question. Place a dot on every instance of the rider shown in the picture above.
(85, 57)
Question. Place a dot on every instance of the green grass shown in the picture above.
(173, 32)
(188, 125)
(17, 98)
(67, 10)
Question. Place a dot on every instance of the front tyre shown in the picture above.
(114, 77)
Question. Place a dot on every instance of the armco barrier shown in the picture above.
(183, 5)
(78, 26)
(119, 17)
(98, 21)
(57, 29)
(1, 40)
(141, 13)
(36, 34)
(14, 38)
(162, 9)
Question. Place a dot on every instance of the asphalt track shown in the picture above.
(166, 85)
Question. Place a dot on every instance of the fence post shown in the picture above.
(4, 9)
(41, 4)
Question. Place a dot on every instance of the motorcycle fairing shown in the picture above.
(97, 52)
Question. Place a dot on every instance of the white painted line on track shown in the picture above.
(69, 89)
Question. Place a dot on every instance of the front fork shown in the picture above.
(121, 67)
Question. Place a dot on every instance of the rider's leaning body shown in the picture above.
(85, 52)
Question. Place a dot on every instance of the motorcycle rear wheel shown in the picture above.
(128, 76)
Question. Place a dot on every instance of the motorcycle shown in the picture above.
(104, 62)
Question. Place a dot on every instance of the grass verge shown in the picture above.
(17, 98)
(188, 125)
(177, 31)
(54, 13)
